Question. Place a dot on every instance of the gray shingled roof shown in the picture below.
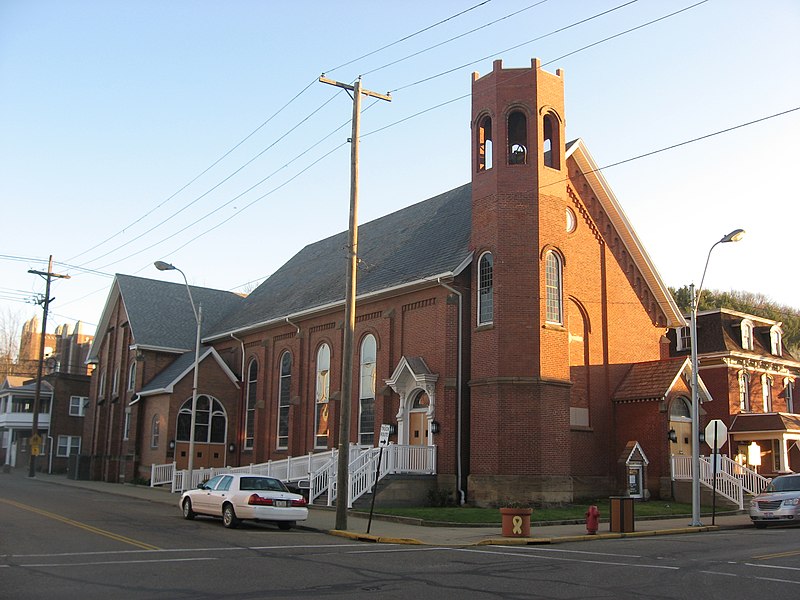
(161, 316)
(423, 240)
(171, 373)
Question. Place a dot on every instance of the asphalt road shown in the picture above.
(62, 542)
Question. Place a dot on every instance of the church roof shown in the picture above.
(160, 314)
(424, 241)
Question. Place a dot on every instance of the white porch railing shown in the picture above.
(318, 469)
(732, 479)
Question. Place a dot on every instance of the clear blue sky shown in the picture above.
(109, 108)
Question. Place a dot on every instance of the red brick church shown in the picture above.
(515, 323)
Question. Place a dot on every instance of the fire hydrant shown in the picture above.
(592, 520)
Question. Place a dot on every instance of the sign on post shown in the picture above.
(386, 431)
(716, 435)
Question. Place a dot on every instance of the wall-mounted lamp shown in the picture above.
(231, 448)
(673, 436)
(434, 427)
(171, 444)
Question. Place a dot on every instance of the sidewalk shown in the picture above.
(397, 531)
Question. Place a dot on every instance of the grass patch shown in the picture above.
(565, 512)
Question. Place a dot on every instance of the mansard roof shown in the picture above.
(159, 312)
(419, 243)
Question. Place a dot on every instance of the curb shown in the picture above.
(366, 537)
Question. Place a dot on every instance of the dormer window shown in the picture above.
(517, 138)
(776, 340)
(683, 336)
(747, 334)
(485, 144)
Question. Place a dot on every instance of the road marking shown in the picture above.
(773, 567)
(78, 524)
(777, 555)
(564, 559)
(110, 562)
(177, 550)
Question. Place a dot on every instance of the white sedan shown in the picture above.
(239, 496)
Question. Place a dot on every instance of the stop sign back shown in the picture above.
(716, 434)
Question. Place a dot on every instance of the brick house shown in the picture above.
(753, 381)
(145, 337)
(63, 399)
(495, 321)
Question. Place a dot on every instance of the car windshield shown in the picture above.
(262, 483)
(784, 484)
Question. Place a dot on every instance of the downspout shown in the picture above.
(241, 405)
(295, 325)
(459, 473)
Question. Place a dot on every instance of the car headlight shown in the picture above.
(753, 503)
(791, 502)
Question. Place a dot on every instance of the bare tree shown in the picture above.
(10, 331)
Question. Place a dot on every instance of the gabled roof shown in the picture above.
(424, 241)
(591, 171)
(12, 384)
(160, 314)
(653, 380)
(165, 381)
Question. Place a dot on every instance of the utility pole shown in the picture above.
(345, 398)
(35, 441)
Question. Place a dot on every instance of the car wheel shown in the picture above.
(285, 525)
(229, 518)
(188, 513)
(760, 525)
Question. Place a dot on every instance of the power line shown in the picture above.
(516, 46)
(204, 194)
(206, 170)
(247, 137)
(459, 36)
(408, 37)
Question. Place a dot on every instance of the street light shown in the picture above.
(198, 316)
(733, 236)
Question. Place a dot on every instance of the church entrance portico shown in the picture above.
(416, 386)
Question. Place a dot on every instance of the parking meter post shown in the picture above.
(375, 488)
(714, 456)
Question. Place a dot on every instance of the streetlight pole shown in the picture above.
(198, 316)
(733, 236)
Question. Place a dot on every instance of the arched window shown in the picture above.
(485, 144)
(366, 395)
(485, 289)
(679, 410)
(322, 396)
(284, 399)
(744, 391)
(132, 376)
(517, 138)
(553, 288)
(747, 334)
(250, 411)
(115, 382)
(776, 340)
(210, 421)
(766, 392)
(155, 431)
(101, 386)
(551, 143)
